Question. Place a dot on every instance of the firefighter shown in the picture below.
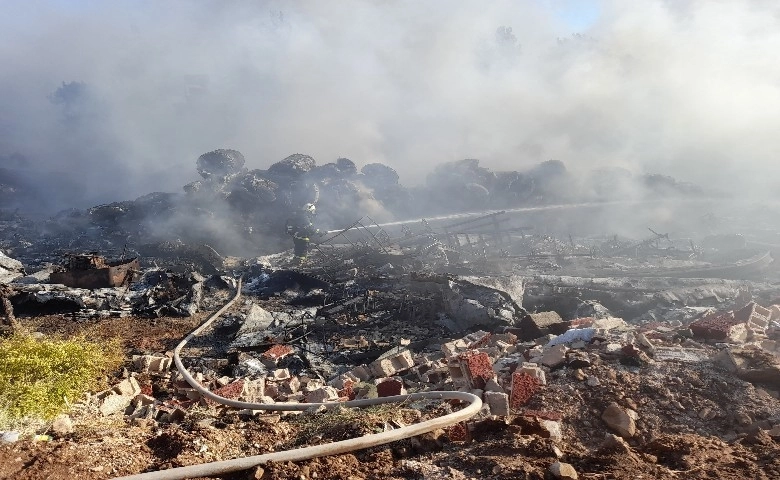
(301, 229)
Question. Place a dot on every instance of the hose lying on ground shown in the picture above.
(335, 448)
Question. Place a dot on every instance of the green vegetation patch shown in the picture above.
(39, 377)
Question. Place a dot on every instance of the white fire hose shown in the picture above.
(335, 448)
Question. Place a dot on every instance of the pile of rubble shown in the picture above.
(585, 384)
(507, 372)
(241, 211)
(586, 344)
(607, 365)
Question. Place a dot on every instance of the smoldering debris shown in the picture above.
(535, 324)
(241, 211)
(501, 302)
(517, 340)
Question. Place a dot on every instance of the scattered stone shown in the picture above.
(533, 370)
(9, 437)
(492, 386)
(389, 366)
(619, 420)
(62, 425)
(554, 357)
(428, 442)
(614, 443)
(152, 363)
(563, 471)
(573, 335)
(113, 403)
(679, 354)
(576, 359)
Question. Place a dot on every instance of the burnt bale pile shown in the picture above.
(243, 212)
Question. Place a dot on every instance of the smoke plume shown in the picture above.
(106, 101)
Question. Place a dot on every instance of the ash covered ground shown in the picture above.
(614, 326)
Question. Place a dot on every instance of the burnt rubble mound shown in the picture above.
(590, 374)
(239, 211)
(591, 353)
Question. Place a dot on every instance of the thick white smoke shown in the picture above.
(683, 88)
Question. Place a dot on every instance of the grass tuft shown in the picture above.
(39, 377)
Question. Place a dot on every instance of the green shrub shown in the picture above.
(39, 377)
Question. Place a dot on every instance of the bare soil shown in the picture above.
(675, 439)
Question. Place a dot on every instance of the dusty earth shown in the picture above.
(696, 421)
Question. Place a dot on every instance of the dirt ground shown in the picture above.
(675, 439)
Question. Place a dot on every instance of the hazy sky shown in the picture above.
(688, 88)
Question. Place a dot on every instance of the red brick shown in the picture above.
(231, 391)
(477, 367)
(481, 342)
(348, 391)
(278, 351)
(146, 389)
(459, 433)
(180, 403)
(631, 350)
(524, 386)
(582, 322)
(715, 326)
(390, 387)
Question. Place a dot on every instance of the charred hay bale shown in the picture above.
(521, 187)
(220, 163)
(243, 201)
(339, 191)
(457, 174)
(396, 198)
(346, 166)
(8, 186)
(111, 214)
(260, 187)
(293, 166)
(193, 187)
(323, 173)
(377, 175)
(154, 204)
(549, 169)
(552, 181)
(302, 192)
(68, 221)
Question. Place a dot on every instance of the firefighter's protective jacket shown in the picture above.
(301, 227)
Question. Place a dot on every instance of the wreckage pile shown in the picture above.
(591, 354)
(692, 369)
(240, 211)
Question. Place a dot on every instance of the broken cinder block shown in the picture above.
(389, 366)
(322, 395)
(152, 363)
(497, 402)
(535, 371)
